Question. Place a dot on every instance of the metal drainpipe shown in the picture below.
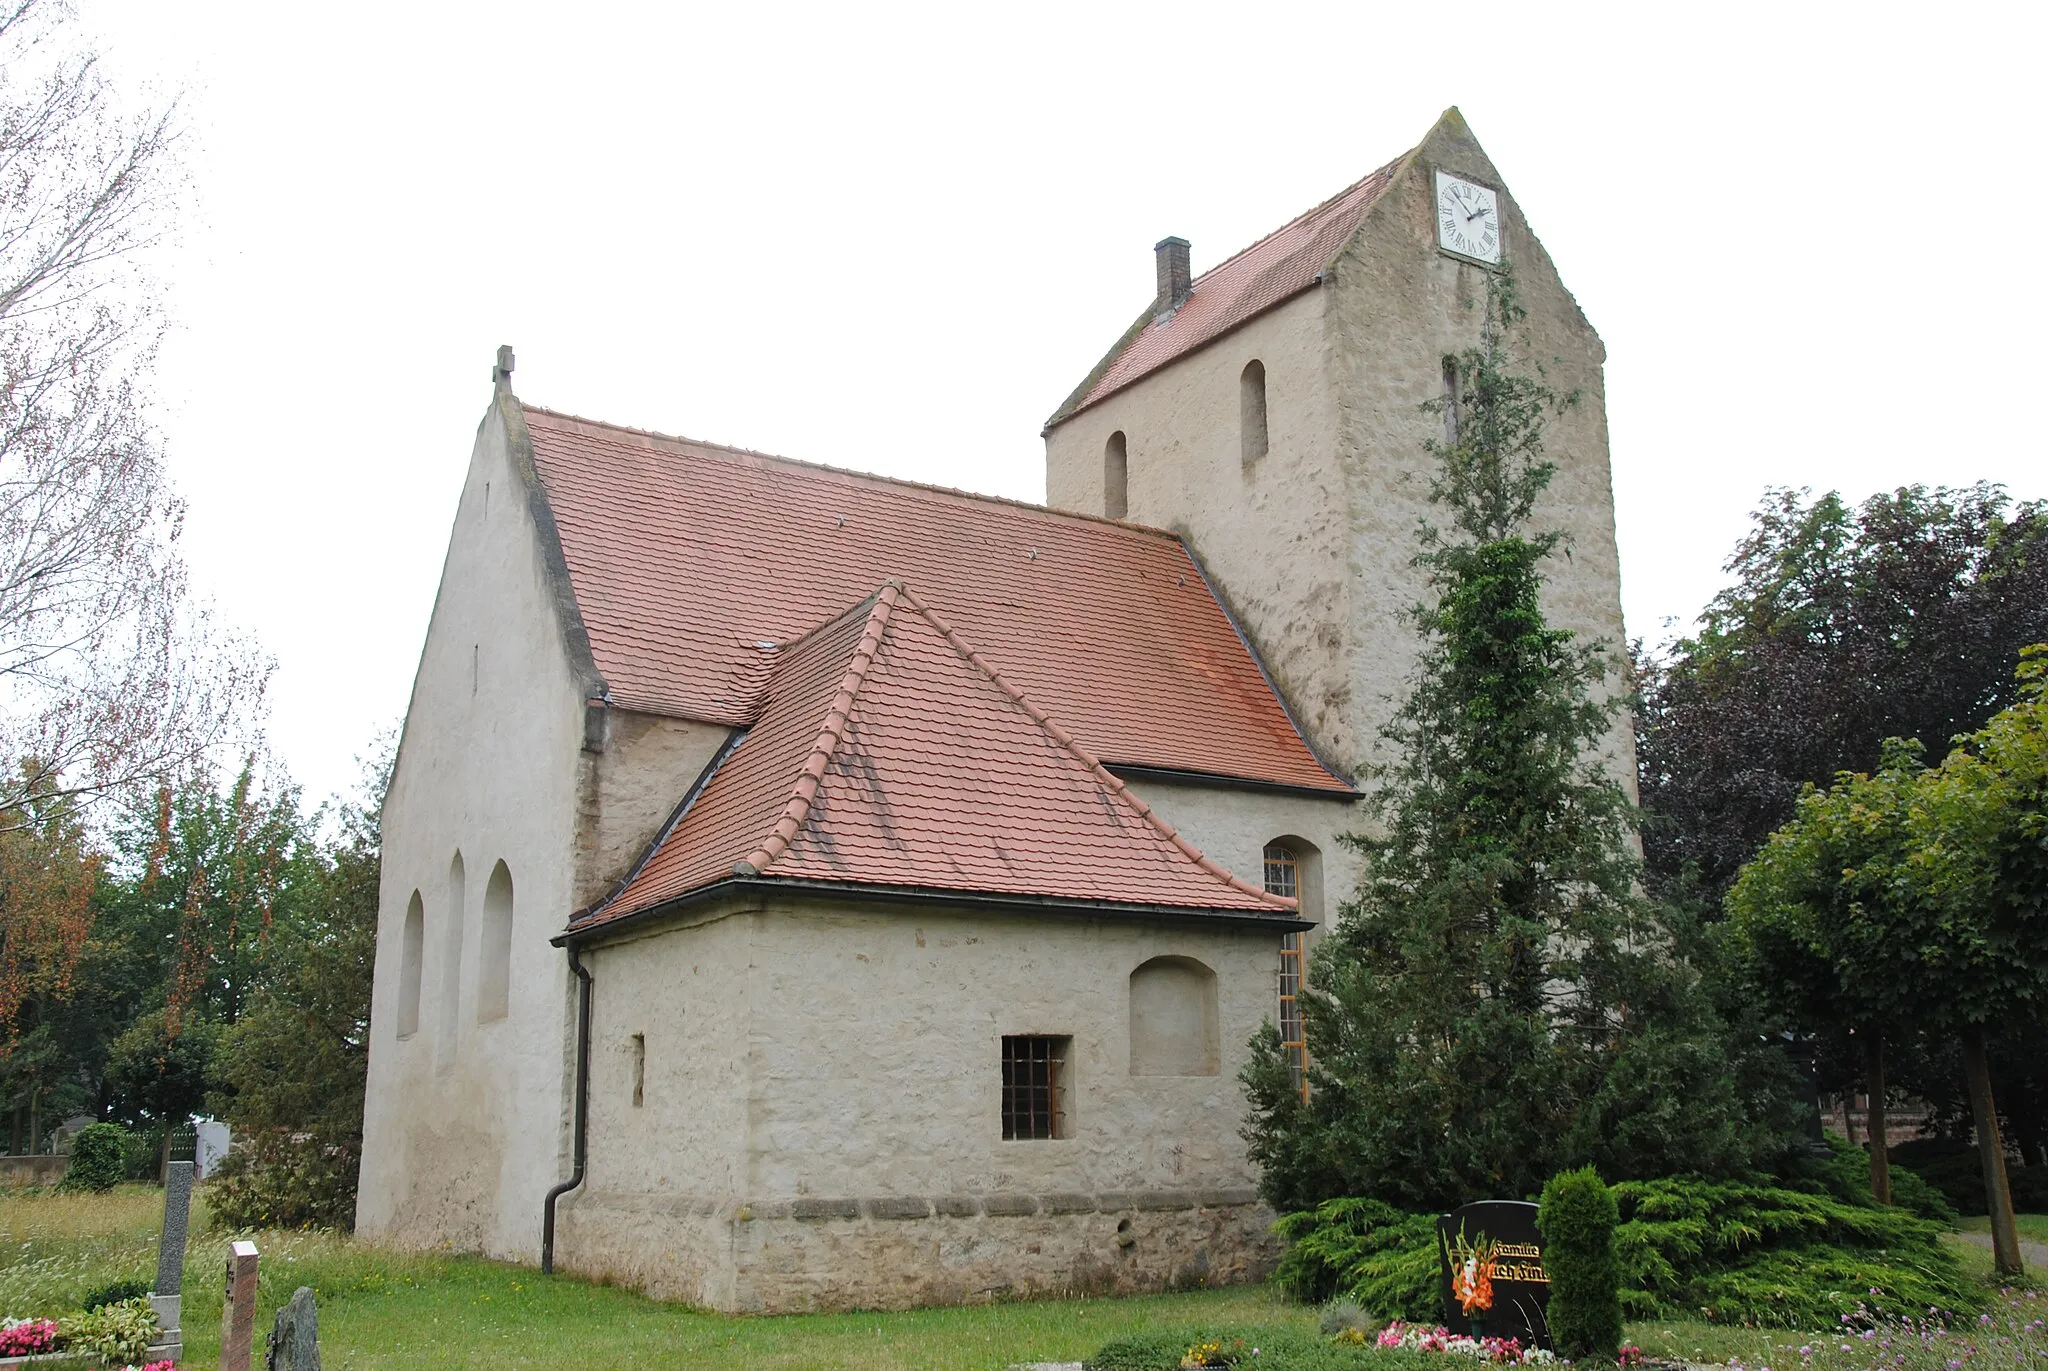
(582, 1144)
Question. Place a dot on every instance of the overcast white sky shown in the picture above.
(894, 238)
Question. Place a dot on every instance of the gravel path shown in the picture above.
(2032, 1253)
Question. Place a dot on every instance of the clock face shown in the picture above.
(1467, 218)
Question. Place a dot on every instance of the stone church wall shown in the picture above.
(465, 1117)
(821, 1126)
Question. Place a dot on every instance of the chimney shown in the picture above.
(1171, 255)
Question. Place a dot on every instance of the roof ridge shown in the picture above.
(812, 774)
(1308, 213)
(928, 487)
(1102, 775)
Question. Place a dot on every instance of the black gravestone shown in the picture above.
(1504, 1232)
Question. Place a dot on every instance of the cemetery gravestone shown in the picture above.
(1494, 1284)
(238, 1310)
(295, 1337)
(166, 1296)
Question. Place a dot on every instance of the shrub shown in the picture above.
(99, 1158)
(279, 1179)
(1347, 1316)
(1577, 1219)
(113, 1292)
(1745, 1252)
(1373, 1253)
(118, 1334)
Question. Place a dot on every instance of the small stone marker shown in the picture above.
(238, 1310)
(295, 1337)
(1494, 1245)
(167, 1295)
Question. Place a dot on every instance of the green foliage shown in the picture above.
(157, 1072)
(1365, 1250)
(1577, 1218)
(113, 1292)
(1744, 1252)
(280, 1179)
(99, 1158)
(1845, 1174)
(1499, 1001)
(1899, 618)
(1951, 1169)
(291, 1073)
(118, 1334)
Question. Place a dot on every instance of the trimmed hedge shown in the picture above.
(99, 1158)
(1577, 1218)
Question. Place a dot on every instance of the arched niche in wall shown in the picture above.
(412, 955)
(1251, 413)
(1116, 476)
(450, 991)
(494, 948)
(1173, 1019)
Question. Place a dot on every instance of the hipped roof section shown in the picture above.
(1278, 267)
(690, 561)
(885, 750)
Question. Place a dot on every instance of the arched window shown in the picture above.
(1173, 1019)
(412, 953)
(451, 960)
(1116, 476)
(1285, 872)
(494, 948)
(1251, 412)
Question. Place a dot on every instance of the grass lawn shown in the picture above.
(382, 1311)
(2033, 1227)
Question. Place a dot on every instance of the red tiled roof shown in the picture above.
(1281, 265)
(888, 752)
(690, 562)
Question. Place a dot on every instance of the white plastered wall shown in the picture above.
(463, 1135)
(800, 1051)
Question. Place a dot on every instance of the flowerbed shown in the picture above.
(1418, 1337)
(117, 1334)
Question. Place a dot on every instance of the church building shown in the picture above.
(809, 890)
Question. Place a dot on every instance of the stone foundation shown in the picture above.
(806, 1254)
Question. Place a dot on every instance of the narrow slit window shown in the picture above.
(1034, 1087)
(1452, 386)
(639, 1069)
(1116, 476)
(1283, 877)
(1251, 395)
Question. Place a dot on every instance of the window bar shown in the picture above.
(1283, 877)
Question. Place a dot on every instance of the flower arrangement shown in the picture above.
(1216, 1353)
(1416, 1337)
(119, 1333)
(27, 1337)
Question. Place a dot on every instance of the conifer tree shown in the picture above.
(1499, 1001)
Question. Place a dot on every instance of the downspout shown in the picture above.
(581, 1147)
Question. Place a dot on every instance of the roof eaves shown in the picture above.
(830, 732)
(1078, 400)
(587, 930)
(1103, 776)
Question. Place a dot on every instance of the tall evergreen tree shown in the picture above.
(1499, 1000)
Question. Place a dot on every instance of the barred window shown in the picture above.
(1034, 1087)
(1283, 877)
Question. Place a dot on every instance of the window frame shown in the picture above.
(1283, 869)
(1045, 1116)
